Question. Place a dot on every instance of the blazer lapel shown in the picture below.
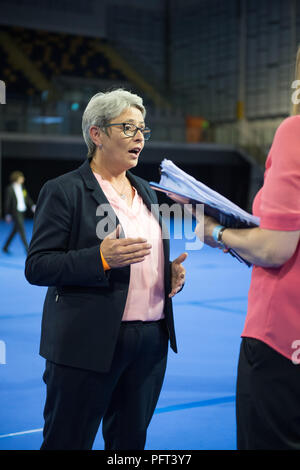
(98, 194)
(153, 208)
(140, 189)
(91, 183)
(96, 191)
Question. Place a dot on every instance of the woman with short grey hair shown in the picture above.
(105, 106)
(108, 313)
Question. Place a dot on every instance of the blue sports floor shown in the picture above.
(196, 409)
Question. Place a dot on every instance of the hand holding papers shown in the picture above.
(183, 188)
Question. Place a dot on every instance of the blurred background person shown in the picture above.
(16, 202)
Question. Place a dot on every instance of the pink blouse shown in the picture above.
(145, 300)
(274, 296)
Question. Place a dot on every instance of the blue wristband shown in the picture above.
(216, 232)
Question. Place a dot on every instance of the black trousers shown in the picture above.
(125, 397)
(267, 399)
(18, 227)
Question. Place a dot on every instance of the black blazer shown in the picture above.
(11, 202)
(84, 304)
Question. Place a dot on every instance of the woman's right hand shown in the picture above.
(121, 252)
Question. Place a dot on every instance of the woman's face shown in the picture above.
(121, 151)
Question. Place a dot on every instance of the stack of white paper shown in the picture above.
(176, 181)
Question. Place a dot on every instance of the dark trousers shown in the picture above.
(267, 400)
(125, 397)
(18, 227)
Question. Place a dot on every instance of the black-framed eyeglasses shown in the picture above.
(130, 130)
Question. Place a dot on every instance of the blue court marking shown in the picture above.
(196, 404)
(21, 433)
(8, 265)
(166, 409)
(13, 316)
(213, 304)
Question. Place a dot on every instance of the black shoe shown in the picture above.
(5, 250)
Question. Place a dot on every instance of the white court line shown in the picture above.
(21, 433)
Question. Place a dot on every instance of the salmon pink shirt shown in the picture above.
(145, 299)
(274, 296)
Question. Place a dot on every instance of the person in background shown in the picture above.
(16, 203)
(103, 252)
(268, 382)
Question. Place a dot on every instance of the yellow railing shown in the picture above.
(22, 63)
(131, 74)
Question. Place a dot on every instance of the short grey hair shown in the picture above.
(103, 107)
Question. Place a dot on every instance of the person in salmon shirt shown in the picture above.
(268, 381)
(100, 245)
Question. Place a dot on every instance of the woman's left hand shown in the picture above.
(178, 274)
